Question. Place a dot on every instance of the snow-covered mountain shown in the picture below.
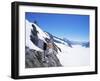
(72, 53)
(41, 35)
(34, 48)
(67, 42)
(70, 43)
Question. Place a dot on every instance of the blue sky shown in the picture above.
(70, 26)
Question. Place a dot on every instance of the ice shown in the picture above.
(76, 56)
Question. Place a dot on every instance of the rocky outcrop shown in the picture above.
(33, 59)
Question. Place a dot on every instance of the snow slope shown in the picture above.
(28, 33)
(61, 41)
(75, 56)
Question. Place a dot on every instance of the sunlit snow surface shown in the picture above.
(76, 56)
(41, 35)
(28, 41)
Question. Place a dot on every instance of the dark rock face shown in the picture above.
(33, 59)
(87, 44)
(34, 36)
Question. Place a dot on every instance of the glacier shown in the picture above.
(77, 55)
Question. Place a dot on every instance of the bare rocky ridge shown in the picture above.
(33, 59)
(37, 50)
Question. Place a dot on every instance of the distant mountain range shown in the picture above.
(65, 41)
(34, 48)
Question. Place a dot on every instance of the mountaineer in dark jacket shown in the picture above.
(55, 47)
(44, 49)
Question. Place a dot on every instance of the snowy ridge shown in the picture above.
(28, 33)
(77, 55)
(61, 41)
(41, 33)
